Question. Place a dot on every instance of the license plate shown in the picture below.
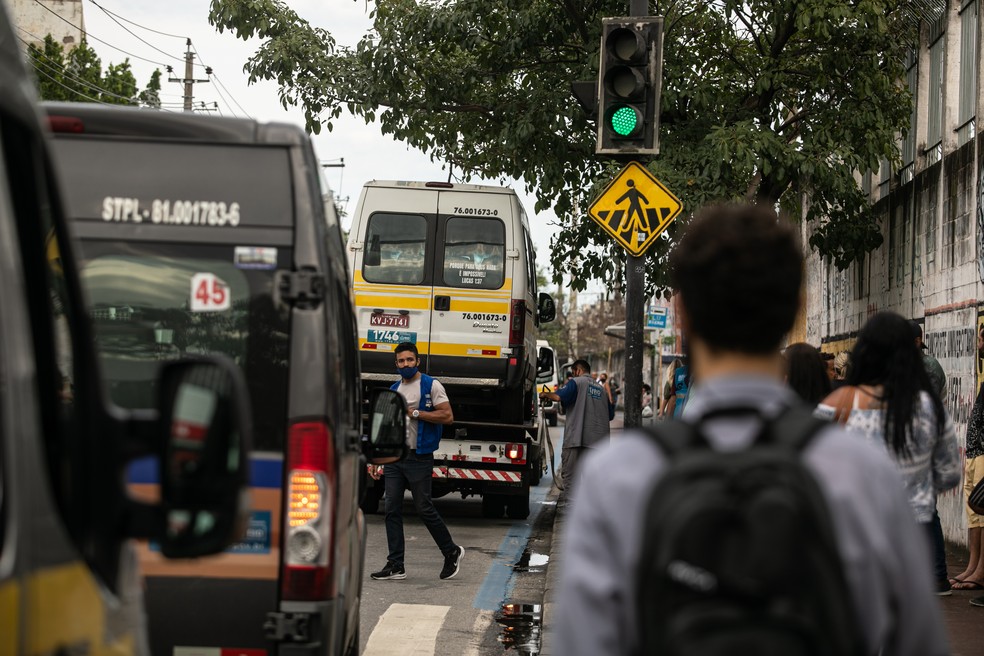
(391, 336)
(390, 320)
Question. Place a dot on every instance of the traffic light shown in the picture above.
(629, 76)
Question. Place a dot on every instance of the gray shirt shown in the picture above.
(587, 421)
(883, 549)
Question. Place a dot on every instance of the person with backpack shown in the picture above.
(750, 527)
(890, 401)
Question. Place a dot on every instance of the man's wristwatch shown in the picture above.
(415, 414)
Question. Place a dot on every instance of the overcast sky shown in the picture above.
(367, 153)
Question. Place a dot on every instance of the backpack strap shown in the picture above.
(795, 427)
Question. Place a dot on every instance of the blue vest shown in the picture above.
(428, 434)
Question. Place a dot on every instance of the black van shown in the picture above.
(68, 581)
(209, 235)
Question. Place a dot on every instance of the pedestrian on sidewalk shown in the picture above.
(806, 372)
(588, 409)
(738, 272)
(428, 410)
(889, 401)
(972, 578)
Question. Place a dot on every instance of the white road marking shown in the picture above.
(407, 630)
(482, 623)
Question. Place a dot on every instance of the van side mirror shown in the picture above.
(373, 252)
(545, 363)
(206, 435)
(386, 442)
(546, 309)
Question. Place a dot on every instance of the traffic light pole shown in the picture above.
(635, 291)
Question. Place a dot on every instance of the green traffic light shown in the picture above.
(624, 121)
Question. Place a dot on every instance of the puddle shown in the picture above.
(531, 562)
(520, 627)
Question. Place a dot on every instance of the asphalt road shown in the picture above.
(492, 605)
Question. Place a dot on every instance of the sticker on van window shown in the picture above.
(257, 537)
(209, 293)
(255, 257)
(391, 336)
(178, 212)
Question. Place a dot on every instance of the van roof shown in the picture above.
(438, 185)
(123, 121)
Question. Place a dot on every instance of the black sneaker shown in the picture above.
(391, 572)
(452, 563)
(944, 589)
(977, 601)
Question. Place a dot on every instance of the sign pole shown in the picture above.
(635, 290)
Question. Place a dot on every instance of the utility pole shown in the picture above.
(635, 299)
(189, 78)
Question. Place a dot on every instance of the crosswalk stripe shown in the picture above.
(407, 630)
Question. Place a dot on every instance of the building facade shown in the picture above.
(930, 266)
(62, 19)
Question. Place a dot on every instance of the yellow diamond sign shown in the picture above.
(635, 208)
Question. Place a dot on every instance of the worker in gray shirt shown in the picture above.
(738, 273)
(588, 408)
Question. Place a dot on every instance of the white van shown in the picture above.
(450, 267)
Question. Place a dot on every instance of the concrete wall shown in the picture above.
(931, 265)
(34, 21)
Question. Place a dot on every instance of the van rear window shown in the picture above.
(473, 253)
(147, 309)
(395, 249)
(175, 184)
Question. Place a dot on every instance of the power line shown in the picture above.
(137, 37)
(143, 27)
(218, 83)
(94, 38)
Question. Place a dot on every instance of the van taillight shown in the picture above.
(66, 124)
(515, 451)
(517, 323)
(309, 513)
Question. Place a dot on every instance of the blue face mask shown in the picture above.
(407, 372)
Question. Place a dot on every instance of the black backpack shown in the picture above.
(738, 554)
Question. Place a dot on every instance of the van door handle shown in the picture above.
(442, 303)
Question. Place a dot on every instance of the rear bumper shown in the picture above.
(309, 628)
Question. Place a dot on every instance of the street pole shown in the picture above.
(635, 290)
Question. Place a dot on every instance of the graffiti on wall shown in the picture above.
(980, 221)
(956, 349)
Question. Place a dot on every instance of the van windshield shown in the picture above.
(473, 253)
(151, 303)
(395, 249)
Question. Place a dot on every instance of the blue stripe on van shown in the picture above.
(263, 471)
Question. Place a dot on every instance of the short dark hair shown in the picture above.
(738, 269)
(406, 346)
(806, 372)
(582, 364)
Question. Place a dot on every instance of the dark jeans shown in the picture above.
(414, 473)
(938, 547)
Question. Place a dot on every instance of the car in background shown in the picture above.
(549, 382)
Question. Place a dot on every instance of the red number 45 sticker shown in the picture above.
(209, 293)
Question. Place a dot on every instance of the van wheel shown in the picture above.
(552, 419)
(370, 502)
(518, 507)
(353, 649)
(536, 471)
(493, 505)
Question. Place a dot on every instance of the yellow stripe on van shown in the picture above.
(66, 612)
(405, 302)
(9, 616)
(487, 307)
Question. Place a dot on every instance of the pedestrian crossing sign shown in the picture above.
(635, 208)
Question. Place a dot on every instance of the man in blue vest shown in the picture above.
(428, 410)
(588, 408)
